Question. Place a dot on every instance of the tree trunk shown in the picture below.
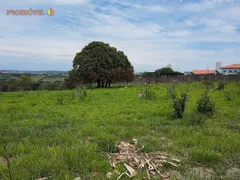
(98, 83)
(106, 85)
(103, 84)
(109, 83)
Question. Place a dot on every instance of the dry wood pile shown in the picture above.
(133, 158)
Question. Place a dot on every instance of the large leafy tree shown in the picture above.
(101, 63)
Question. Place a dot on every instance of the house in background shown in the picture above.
(204, 72)
(230, 69)
(187, 73)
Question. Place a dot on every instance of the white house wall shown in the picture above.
(230, 71)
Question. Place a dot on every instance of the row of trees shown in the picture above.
(25, 83)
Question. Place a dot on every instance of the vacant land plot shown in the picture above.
(62, 136)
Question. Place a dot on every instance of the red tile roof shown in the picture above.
(233, 66)
(203, 71)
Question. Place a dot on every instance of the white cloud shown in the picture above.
(149, 35)
(71, 2)
(28, 3)
(205, 5)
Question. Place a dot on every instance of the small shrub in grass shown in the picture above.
(207, 82)
(228, 95)
(220, 86)
(196, 119)
(107, 145)
(147, 93)
(179, 103)
(82, 93)
(205, 105)
(179, 106)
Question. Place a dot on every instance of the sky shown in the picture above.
(188, 34)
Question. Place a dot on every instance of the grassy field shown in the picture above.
(57, 135)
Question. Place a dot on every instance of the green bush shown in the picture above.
(228, 95)
(179, 106)
(148, 93)
(205, 105)
(179, 103)
(220, 85)
(207, 82)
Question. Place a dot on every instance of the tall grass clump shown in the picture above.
(146, 92)
(82, 93)
(107, 145)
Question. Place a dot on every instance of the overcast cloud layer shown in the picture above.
(189, 34)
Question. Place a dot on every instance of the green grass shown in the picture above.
(52, 134)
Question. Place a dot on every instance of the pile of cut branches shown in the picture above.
(133, 158)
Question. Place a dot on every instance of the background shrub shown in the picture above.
(220, 85)
(82, 93)
(179, 106)
(148, 93)
(228, 95)
(205, 104)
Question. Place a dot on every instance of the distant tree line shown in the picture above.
(97, 65)
(161, 72)
(25, 83)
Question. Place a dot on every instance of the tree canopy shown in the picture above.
(101, 63)
(164, 71)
